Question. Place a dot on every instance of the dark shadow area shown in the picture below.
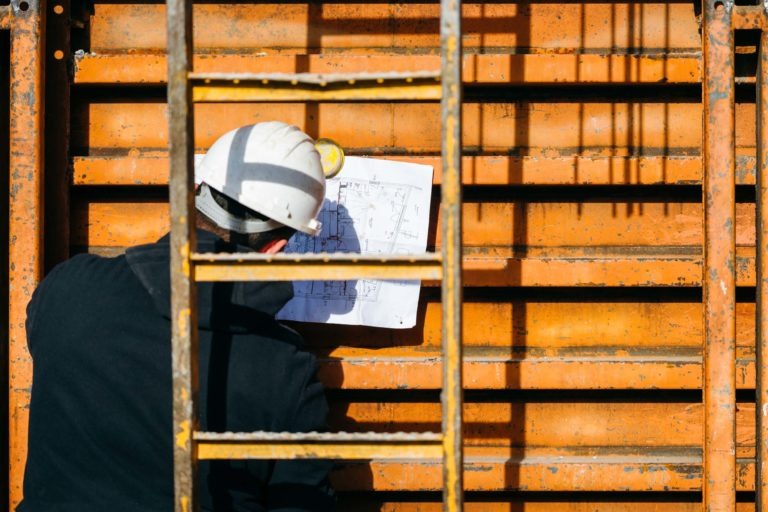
(516, 501)
(56, 173)
(4, 176)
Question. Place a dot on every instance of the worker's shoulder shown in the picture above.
(85, 270)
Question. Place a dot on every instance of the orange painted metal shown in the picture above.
(515, 337)
(534, 128)
(149, 68)
(24, 218)
(576, 230)
(5, 17)
(147, 167)
(600, 368)
(369, 28)
(550, 425)
(546, 470)
(748, 17)
(559, 504)
(548, 327)
(761, 318)
(719, 286)
(151, 168)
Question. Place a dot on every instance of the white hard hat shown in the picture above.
(272, 168)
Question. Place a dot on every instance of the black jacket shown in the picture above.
(100, 421)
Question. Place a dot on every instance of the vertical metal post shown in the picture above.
(183, 310)
(25, 216)
(719, 486)
(761, 484)
(452, 395)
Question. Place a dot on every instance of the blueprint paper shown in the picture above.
(371, 207)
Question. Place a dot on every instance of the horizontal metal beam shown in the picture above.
(241, 87)
(552, 470)
(149, 168)
(341, 371)
(493, 68)
(5, 17)
(313, 445)
(314, 267)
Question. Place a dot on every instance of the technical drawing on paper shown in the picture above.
(372, 207)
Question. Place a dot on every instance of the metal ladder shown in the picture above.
(188, 267)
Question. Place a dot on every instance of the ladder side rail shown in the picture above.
(183, 304)
(450, 205)
(719, 286)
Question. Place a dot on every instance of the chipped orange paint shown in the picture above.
(544, 470)
(151, 168)
(149, 68)
(535, 128)
(549, 424)
(372, 28)
(24, 220)
(628, 227)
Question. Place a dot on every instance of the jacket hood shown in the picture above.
(229, 307)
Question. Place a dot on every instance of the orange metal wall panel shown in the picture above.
(369, 28)
(575, 383)
(565, 226)
(609, 129)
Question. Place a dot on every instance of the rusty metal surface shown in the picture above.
(183, 299)
(499, 369)
(556, 504)
(341, 437)
(761, 338)
(389, 90)
(748, 17)
(313, 445)
(149, 68)
(332, 450)
(568, 128)
(151, 168)
(365, 86)
(550, 426)
(25, 216)
(719, 286)
(5, 17)
(452, 395)
(492, 226)
(322, 79)
(544, 470)
(620, 27)
(257, 267)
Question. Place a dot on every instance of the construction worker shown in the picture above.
(100, 436)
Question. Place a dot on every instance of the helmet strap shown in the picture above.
(207, 205)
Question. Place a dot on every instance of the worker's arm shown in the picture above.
(302, 485)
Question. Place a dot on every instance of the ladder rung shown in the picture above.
(314, 267)
(236, 87)
(317, 445)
